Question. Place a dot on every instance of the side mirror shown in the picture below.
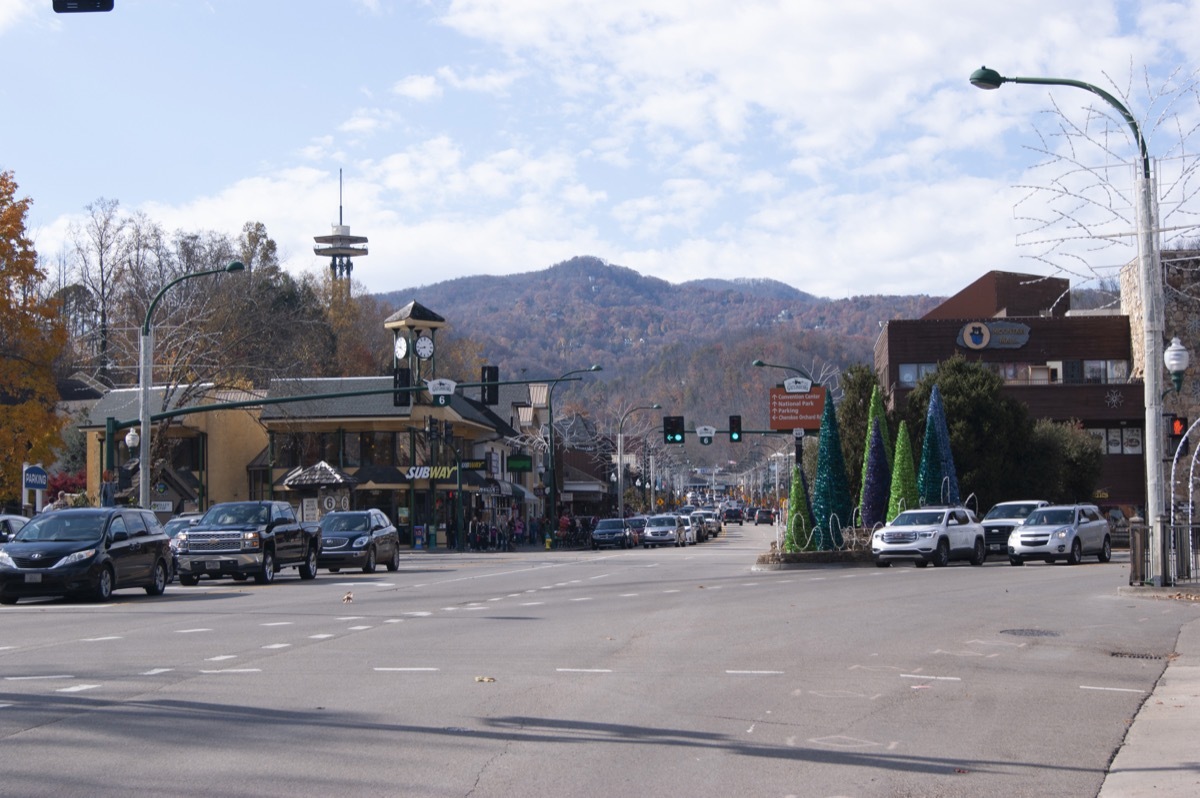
(117, 537)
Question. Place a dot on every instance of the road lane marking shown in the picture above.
(931, 678)
(35, 678)
(628, 595)
(278, 645)
(319, 637)
(99, 639)
(352, 618)
(394, 620)
(355, 629)
(235, 670)
(585, 598)
(277, 623)
(419, 614)
(754, 673)
(407, 670)
(221, 658)
(670, 591)
(79, 688)
(1111, 689)
(190, 631)
(583, 670)
(532, 603)
(156, 671)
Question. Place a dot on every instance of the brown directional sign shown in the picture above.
(791, 411)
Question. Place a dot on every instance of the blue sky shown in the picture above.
(837, 147)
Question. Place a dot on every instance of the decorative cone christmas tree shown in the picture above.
(876, 480)
(875, 412)
(800, 520)
(937, 481)
(831, 493)
(904, 494)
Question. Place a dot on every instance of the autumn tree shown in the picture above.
(98, 246)
(31, 339)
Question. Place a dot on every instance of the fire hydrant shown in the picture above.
(547, 541)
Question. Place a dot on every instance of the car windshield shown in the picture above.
(234, 514)
(77, 527)
(1009, 511)
(637, 523)
(609, 524)
(348, 522)
(918, 518)
(1046, 517)
(176, 525)
(661, 520)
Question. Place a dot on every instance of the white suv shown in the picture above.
(1064, 531)
(930, 535)
(1003, 518)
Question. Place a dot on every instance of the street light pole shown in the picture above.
(1150, 286)
(550, 417)
(621, 454)
(146, 377)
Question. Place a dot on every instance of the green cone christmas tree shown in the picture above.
(904, 494)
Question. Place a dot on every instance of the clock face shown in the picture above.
(424, 347)
(401, 347)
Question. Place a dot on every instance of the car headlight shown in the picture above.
(5, 560)
(926, 535)
(78, 556)
(361, 541)
(251, 540)
(1063, 533)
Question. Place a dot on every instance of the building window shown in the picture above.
(911, 373)
(377, 448)
(1119, 440)
(1095, 371)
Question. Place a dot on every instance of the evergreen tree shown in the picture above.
(800, 519)
(875, 413)
(904, 494)
(831, 494)
(875, 480)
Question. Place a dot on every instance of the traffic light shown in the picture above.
(672, 429)
(401, 381)
(735, 429)
(1177, 428)
(490, 391)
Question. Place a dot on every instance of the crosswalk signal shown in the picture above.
(672, 429)
(490, 390)
(1178, 427)
(401, 382)
(735, 429)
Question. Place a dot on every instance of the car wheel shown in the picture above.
(369, 565)
(882, 564)
(5, 599)
(1106, 550)
(104, 585)
(1016, 561)
(1076, 555)
(941, 556)
(187, 580)
(980, 553)
(308, 568)
(159, 584)
(394, 563)
(266, 574)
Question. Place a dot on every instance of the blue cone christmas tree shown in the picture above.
(831, 493)
(937, 480)
(875, 412)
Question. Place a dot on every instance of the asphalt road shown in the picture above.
(665, 672)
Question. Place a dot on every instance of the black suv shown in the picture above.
(732, 515)
(85, 551)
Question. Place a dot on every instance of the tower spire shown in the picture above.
(340, 247)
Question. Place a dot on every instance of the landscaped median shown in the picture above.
(855, 551)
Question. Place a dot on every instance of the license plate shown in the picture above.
(33, 578)
(996, 547)
(213, 565)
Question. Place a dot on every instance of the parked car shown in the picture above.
(612, 532)
(171, 529)
(733, 515)
(930, 535)
(635, 525)
(662, 530)
(764, 516)
(1068, 532)
(10, 525)
(696, 519)
(85, 551)
(712, 523)
(241, 539)
(1002, 518)
(358, 539)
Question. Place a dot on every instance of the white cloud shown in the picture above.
(417, 87)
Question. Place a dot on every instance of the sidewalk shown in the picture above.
(1161, 753)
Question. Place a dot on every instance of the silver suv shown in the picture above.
(1062, 531)
(930, 535)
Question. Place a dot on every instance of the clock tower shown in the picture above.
(414, 328)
